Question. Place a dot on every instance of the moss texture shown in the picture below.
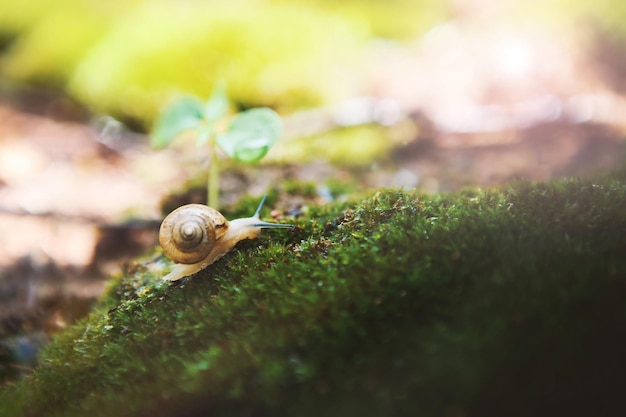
(483, 302)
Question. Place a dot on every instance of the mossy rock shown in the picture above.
(484, 302)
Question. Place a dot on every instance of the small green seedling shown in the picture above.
(247, 137)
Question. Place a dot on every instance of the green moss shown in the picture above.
(306, 189)
(484, 302)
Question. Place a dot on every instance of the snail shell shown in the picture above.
(188, 234)
(194, 236)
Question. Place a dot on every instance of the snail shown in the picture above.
(195, 236)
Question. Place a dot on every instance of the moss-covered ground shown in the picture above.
(499, 302)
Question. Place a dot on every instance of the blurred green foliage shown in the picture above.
(50, 38)
(395, 19)
(356, 146)
(128, 58)
(279, 57)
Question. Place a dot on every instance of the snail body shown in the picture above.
(195, 236)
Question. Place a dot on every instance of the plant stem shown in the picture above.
(213, 183)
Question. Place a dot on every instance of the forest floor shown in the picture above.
(80, 198)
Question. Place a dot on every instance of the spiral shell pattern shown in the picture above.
(188, 233)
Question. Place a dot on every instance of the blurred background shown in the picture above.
(427, 94)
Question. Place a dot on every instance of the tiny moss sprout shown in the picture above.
(245, 137)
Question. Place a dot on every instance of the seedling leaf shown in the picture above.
(217, 105)
(183, 114)
(251, 134)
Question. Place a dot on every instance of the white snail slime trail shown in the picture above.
(195, 236)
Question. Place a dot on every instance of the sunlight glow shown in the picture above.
(514, 58)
